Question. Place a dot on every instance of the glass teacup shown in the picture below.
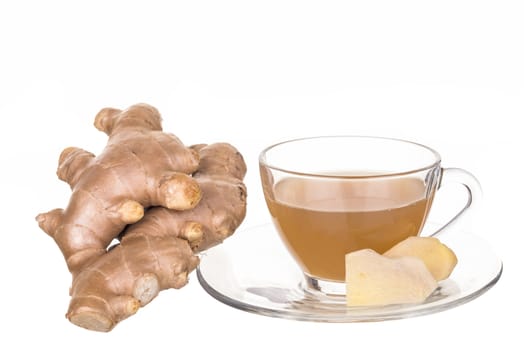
(332, 195)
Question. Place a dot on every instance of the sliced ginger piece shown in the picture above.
(439, 259)
(373, 279)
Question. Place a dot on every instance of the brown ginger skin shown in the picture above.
(127, 277)
(158, 252)
(140, 166)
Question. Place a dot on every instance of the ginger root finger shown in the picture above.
(130, 275)
(136, 161)
(178, 191)
(141, 115)
(72, 162)
(130, 211)
(220, 159)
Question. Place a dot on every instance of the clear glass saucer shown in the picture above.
(253, 272)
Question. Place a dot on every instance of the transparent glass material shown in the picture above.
(332, 195)
(254, 272)
(328, 196)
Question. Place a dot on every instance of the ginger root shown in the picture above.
(158, 252)
(163, 201)
(141, 166)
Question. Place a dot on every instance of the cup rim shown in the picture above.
(262, 157)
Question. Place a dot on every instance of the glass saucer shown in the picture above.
(253, 272)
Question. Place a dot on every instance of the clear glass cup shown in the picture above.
(332, 195)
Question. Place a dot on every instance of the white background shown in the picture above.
(449, 74)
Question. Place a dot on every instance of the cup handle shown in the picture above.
(470, 183)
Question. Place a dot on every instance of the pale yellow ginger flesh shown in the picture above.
(439, 259)
(406, 273)
(374, 280)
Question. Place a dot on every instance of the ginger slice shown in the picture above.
(373, 279)
(439, 259)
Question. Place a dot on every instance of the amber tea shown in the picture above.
(322, 219)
